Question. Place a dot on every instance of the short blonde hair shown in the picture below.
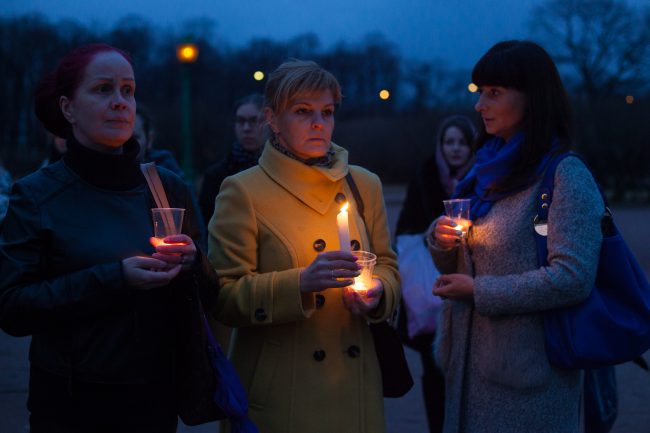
(295, 78)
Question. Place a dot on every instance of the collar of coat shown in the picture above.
(315, 186)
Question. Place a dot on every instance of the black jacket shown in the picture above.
(423, 201)
(61, 279)
(212, 179)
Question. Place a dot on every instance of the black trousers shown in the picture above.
(433, 381)
(58, 405)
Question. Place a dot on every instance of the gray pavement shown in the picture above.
(403, 415)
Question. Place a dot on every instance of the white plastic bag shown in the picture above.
(418, 275)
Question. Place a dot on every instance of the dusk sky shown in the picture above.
(457, 32)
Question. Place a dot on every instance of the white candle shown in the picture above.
(343, 228)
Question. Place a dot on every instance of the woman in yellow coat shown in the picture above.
(302, 345)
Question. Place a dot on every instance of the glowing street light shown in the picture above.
(187, 53)
(472, 87)
(384, 94)
(258, 75)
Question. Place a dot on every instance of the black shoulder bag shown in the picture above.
(395, 374)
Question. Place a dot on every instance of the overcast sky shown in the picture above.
(457, 32)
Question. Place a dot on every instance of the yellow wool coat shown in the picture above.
(307, 363)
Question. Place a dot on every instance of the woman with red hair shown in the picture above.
(78, 272)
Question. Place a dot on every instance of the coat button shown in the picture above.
(319, 245)
(355, 245)
(320, 301)
(319, 355)
(260, 315)
(340, 198)
(353, 351)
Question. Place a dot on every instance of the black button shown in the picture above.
(319, 355)
(320, 301)
(319, 245)
(355, 245)
(260, 315)
(353, 351)
(340, 198)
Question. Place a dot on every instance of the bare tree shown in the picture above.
(606, 41)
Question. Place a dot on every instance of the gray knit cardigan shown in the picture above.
(498, 378)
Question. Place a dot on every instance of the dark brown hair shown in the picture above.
(528, 68)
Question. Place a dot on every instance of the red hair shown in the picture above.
(64, 81)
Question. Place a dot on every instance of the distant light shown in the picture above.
(384, 94)
(187, 53)
(258, 75)
(629, 99)
(472, 87)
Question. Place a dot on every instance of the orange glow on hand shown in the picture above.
(155, 242)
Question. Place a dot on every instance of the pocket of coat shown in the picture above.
(264, 373)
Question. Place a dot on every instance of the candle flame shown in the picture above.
(345, 207)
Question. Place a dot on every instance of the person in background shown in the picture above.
(57, 148)
(490, 345)
(437, 177)
(302, 343)
(250, 134)
(78, 271)
(434, 181)
(145, 133)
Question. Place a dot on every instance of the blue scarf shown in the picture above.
(494, 160)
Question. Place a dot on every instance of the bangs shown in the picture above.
(497, 68)
(310, 84)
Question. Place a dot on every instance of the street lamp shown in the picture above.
(186, 55)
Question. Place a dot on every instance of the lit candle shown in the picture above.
(343, 227)
(359, 287)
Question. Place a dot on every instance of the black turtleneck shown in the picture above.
(119, 172)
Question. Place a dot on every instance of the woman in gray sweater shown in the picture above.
(491, 341)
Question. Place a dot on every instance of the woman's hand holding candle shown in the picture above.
(329, 269)
(175, 250)
(446, 232)
(147, 272)
(360, 304)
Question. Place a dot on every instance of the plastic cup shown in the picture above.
(458, 210)
(167, 221)
(366, 260)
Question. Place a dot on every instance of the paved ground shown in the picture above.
(404, 415)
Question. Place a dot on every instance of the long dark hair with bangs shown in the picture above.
(528, 68)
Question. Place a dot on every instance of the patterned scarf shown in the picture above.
(319, 161)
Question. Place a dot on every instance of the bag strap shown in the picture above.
(357, 197)
(155, 184)
(157, 189)
(545, 197)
